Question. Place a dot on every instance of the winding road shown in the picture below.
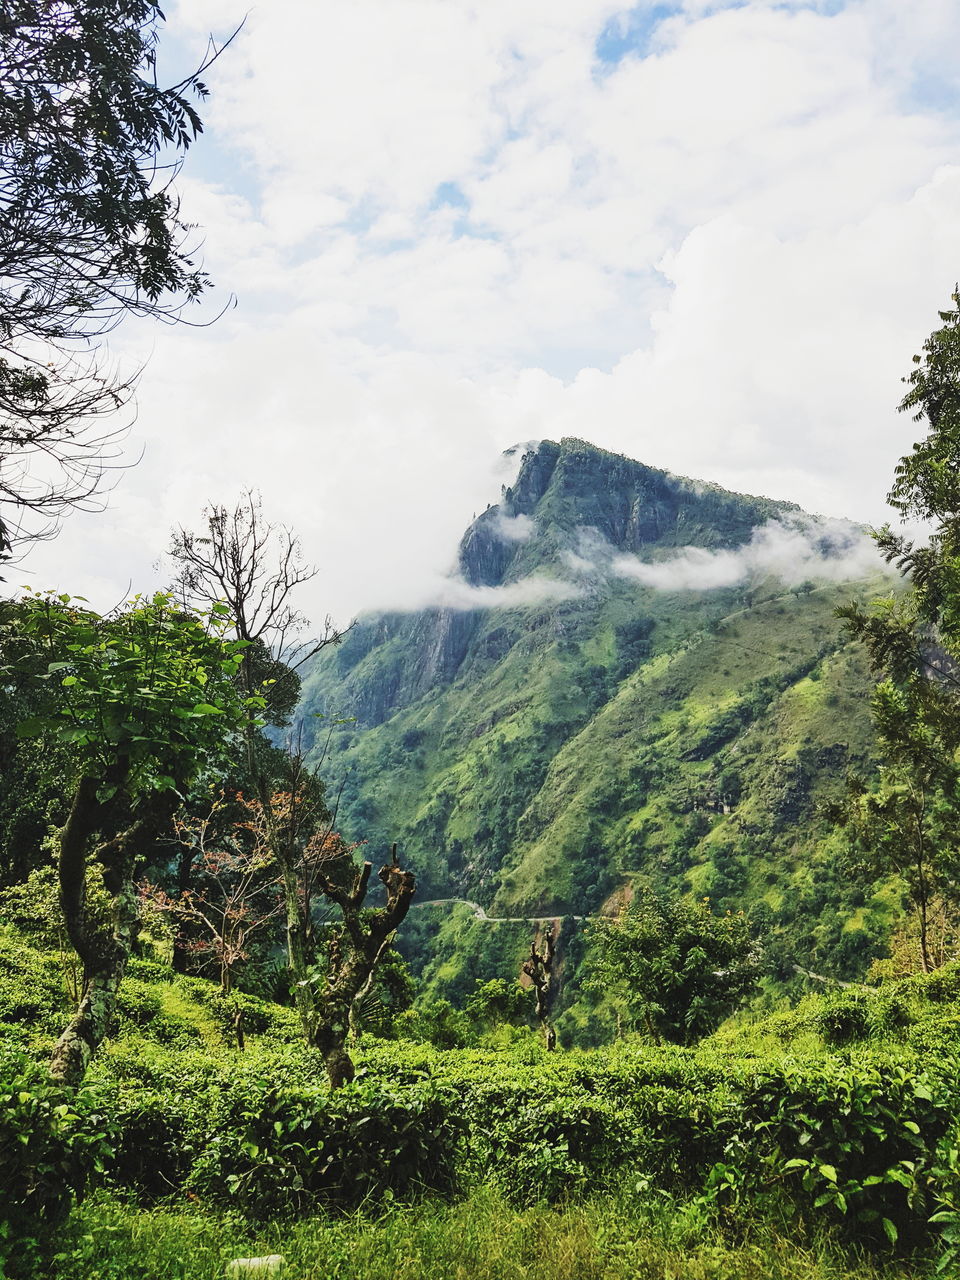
(480, 914)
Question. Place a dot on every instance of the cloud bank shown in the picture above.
(709, 236)
(454, 593)
(795, 549)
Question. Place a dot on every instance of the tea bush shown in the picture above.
(52, 1141)
(275, 1148)
(857, 1140)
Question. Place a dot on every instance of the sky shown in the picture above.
(708, 236)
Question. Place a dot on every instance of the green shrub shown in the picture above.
(51, 1141)
(542, 1147)
(854, 1140)
(277, 1148)
(844, 1020)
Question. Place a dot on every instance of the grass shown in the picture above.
(481, 1238)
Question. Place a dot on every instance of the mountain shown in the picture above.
(642, 676)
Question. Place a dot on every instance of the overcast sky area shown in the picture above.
(709, 236)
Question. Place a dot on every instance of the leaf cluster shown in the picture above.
(143, 698)
(678, 968)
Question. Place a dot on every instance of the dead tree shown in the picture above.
(538, 967)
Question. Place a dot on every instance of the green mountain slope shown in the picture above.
(535, 757)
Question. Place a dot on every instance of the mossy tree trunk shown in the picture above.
(325, 1005)
(103, 946)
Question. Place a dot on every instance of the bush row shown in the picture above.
(862, 1141)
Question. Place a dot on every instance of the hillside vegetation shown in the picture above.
(536, 758)
(194, 1152)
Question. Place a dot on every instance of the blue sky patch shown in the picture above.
(629, 34)
(449, 194)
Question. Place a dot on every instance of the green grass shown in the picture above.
(629, 1237)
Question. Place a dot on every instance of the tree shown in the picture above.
(145, 701)
(252, 567)
(90, 231)
(910, 821)
(235, 892)
(677, 969)
(355, 951)
(538, 968)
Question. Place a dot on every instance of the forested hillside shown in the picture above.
(537, 757)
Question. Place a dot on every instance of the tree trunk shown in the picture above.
(184, 876)
(89, 1025)
(296, 945)
(104, 955)
(333, 1022)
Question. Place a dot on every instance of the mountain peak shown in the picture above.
(563, 489)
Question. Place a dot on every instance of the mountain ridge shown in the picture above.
(533, 756)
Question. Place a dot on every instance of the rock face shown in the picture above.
(563, 492)
(485, 554)
(534, 756)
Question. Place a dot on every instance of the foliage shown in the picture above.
(147, 689)
(499, 1001)
(677, 968)
(750, 1123)
(51, 1142)
(89, 230)
(632, 1234)
(855, 1140)
(911, 821)
(276, 1149)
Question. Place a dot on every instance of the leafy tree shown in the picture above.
(677, 969)
(33, 772)
(910, 821)
(90, 231)
(145, 702)
(497, 1001)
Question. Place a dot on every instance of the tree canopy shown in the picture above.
(678, 969)
(90, 231)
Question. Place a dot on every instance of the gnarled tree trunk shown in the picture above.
(103, 954)
(538, 967)
(325, 1008)
(103, 951)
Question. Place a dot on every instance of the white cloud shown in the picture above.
(513, 528)
(449, 229)
(794, 551)
(453, 593)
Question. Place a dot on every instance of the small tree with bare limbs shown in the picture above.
(235, 894)
(538, 968)
(253, 567)
(355, 950)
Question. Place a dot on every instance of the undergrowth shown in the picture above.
(624, 1237)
